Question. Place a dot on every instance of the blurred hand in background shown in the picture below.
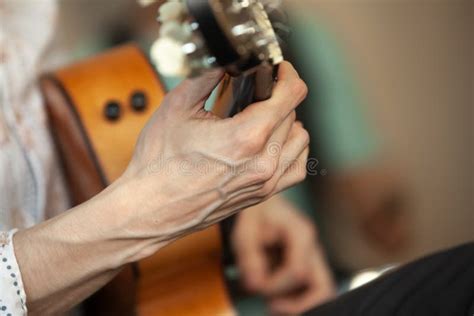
(279, 257)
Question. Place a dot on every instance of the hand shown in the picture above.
(300, 278)
(192, 169)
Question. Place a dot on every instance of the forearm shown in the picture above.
(66, 259)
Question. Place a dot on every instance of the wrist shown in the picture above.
(160, 207)
(125, 212)
(84, 248)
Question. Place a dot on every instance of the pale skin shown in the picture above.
(277, 221)
(302, 280)
(156, 201)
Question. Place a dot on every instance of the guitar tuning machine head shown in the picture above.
(252, 31)
(239, 5)
(195, 36)
(180, 49)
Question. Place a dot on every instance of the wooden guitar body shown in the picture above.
(185, 278)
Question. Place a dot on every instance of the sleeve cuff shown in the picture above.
(12, 292)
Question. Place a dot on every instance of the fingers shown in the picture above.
(295, 145)
(281, 135)
(286, 157)
(292, 164)
(290, 170)
(288, 93)
(319, 288)
(316, 293)
(295, 305)
(249, 250)
(194, 92)
(298, 236)
(294, 174)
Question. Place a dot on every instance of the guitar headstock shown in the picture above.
(198, 35)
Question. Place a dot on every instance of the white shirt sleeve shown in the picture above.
(12, 293)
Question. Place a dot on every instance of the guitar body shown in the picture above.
(185, 278)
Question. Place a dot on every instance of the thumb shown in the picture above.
(194, 92)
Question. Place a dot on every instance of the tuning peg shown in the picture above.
(171, 10)
(175, 30)
(145, 3)
(244, 29)
(239, 5)
(169, 57)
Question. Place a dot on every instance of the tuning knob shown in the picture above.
(171, 11)
(244, 29)
(239, 5)
(169, 57)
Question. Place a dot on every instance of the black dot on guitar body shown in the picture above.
(112, 110)
(138, 101)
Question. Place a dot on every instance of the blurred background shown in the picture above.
(405, 69)
(414, 63)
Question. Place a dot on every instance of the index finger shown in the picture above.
(288, 93)
(194, 92)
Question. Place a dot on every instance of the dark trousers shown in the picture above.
(441, 284)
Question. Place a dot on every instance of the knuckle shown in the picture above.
(300, 88)
(266, 190)
(255, 144)
(266, 173)
(303, 134)
(239, 137)
(264, 177)
(248, 143)
(254, 179)
(298, 124)
(264, 130)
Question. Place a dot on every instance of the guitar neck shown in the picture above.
(248, 89)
